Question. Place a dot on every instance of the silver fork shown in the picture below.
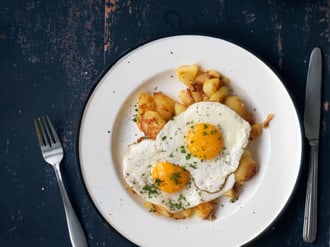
(52, 151)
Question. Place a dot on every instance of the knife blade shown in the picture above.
(312, 117)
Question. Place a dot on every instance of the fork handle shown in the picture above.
(310, 217)
(76, 232)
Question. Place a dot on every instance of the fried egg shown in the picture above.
(161, 182)
(208, 140)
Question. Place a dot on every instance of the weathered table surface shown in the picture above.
(52, 54)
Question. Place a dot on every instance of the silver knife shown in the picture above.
(312, 129)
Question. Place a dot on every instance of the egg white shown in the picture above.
(209, 175)
(138, 163)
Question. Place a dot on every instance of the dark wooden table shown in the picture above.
(53, 53)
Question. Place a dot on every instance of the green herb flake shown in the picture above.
(158, 182)
(235, 199)
(194, 166)
(179, 204)
(151, 189)
(182, 149)
(176, 176)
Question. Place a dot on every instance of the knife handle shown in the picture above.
(310, 217)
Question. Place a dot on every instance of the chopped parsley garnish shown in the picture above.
(182, 149)
(181, 203)
(136, 114)
(176, 177)
(158, 182)
(194, 165)
(134, 119)
(151, 189)
(235, 199)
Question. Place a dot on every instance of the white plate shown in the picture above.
(107, 128)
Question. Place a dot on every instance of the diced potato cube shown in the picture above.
(233, 192)
(187, 73)
(164, 105)
(145, 103)
(149, 206)
(183, 214)
(268, 120)
(152, 123)
(162, 211)
(237, 105)
(256, 130)
(179, 108)
(197, 96)
(247, 168)
(201, 77)
(213, 74)
(205, 209)
(220, 94)
(210, 86)
(185, 97)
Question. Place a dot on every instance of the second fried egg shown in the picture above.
(160, 182)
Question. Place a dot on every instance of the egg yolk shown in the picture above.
(170, 178)
(204, 141)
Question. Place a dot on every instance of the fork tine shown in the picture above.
(39, 135)
(49, 134)
(54, 134)
(45, 135)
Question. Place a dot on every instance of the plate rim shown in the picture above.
(124, 53)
